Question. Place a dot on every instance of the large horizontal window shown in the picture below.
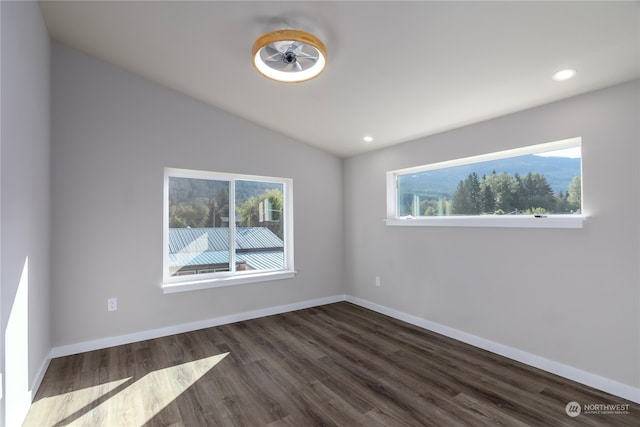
(224, 229)
(535, 186)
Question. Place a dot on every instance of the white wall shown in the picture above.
(571, 296)
(25, 206)
(113, 133)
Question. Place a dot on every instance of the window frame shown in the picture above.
(180, 283)
(510, 221)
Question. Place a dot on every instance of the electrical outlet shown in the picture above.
(112, 304)
(377, 280)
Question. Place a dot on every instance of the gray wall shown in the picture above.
(571, 296)
(113, 133)
(24, 205)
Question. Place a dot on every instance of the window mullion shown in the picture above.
(232, 225)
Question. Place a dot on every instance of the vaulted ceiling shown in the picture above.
(396, 70)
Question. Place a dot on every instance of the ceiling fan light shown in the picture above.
(280, 55)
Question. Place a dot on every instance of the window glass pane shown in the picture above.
(533, 184)
(198, 234)
(260, 227)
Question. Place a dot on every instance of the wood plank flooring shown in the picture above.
(334, 365)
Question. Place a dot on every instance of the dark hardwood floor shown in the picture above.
(335, 365)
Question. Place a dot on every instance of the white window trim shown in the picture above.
(218, 282)
(520, 221)
(509, 221)
(173, 284)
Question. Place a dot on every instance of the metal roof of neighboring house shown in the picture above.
(259, 260)
(266, 260)
(259, 247)
(198, 240)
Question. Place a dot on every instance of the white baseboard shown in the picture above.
(601, 383)
(39, 377)
(98, 344)
(35, 385)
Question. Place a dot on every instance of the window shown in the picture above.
(536, 186)
(225, 229)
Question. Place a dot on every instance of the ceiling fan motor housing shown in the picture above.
(289, 57)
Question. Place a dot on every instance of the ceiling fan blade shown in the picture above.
(287, 67)
(279, 65)
(294, 46)
(303, 55)
(280, 46)
(274, 58)
(271, 50)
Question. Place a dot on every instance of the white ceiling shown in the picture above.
(396, 71)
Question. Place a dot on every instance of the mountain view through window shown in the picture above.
(546, 183)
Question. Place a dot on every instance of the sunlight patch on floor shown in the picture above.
(130, 403)
(66, 404)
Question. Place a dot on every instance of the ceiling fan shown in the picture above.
(289, 55)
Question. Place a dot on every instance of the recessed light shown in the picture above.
(565, 74)
(367, 139)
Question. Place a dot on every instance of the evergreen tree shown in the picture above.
(462, 204)
(475, 192)
(536, 193)
(467, 200)
(488, 199)
(574, 194)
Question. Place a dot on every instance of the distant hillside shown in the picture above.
(559, 171)
(189, 190)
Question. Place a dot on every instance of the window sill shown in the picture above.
(553, 221)
(194, 285)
